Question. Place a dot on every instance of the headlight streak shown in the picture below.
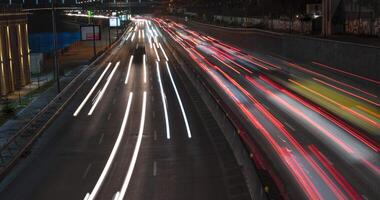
(155, 50)
(179, 101)
(135, 152)
(144, 66)
(91, 91)
(99, 183)
(133, 36)
(129, 70)
(163, 52)
(103, 89)
(164, 103)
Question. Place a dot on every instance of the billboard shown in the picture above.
(114, 22)
(87, 32)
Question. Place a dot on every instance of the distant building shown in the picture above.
(14, 51)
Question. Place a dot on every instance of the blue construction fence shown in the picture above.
(43, 42)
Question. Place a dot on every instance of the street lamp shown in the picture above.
(56, 67)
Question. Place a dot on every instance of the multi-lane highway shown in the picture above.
(132, 132)
(136, 132)
(318, 132)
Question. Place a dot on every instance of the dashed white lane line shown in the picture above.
(109, 116)
(154, 168)
(288, 125)
(87, 170)
(101, 139)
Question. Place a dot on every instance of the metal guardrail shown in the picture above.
(20, 144)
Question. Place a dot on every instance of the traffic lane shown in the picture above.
(295, 172)
(231, 72)
(66, 128)
(179, 167)
(309, 139)
(285, 115)
(353, 166)
(120, 166)
(239, 39)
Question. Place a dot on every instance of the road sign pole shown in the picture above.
(93, 37)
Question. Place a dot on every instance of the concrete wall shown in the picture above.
(360, 59)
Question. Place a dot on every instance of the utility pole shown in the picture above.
(56, 67)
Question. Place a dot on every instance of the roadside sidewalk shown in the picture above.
(10, 127)
(30, 100)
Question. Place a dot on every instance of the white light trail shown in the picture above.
(135, 152)
(155, 50)
(179, 101)
(139, 34)
(115, 148)
(104, 89)
(163, 97)
(150, 42)
(116, 196)
(163, 51)
(91, 91)
(128, 36)
(143, 34)
(129, 70)
(133, 36)
(144, 65)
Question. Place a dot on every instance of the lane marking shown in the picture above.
(109, 116)
(101, 139)
(135, 152)
(163, 52)
(104, 89)
(163, 97)
(91, 91)
(129, 70)
(95, 190)
(291, 127)
(179, 101)
(155, 50)
(133, 36)
(154, 168)
(87, 170)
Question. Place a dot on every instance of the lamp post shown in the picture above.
(56, 67)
